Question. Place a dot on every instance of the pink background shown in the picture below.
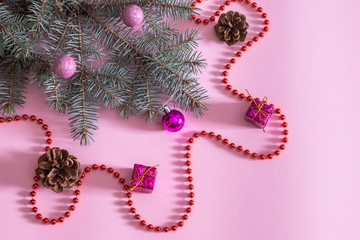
(308, 65)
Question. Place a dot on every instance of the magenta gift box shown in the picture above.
(259, 117)
(143, 179)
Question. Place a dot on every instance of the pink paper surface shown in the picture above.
(308, 65)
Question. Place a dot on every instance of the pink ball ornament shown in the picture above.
(132, 15)
(173, 120)
(64, 66)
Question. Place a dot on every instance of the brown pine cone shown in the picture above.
(58, 169)
(231, 28)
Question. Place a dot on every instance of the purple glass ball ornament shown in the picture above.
(64, 66)
(132, 15)
(173, 120)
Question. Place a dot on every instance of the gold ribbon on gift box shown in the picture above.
(141, 178)
(259, 108)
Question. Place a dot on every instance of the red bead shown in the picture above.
(284, 124)
(9, 119)
(185, 217)
(75, 200)
(222, 8)
(61, 219)
(260, 9)
(196, 135)
(49, 141)
(239, 148)
(270, 156)
(277, 152)
(33, 194)
(244, 48)
(38, 216)
(250, 43)
(254, 5)
(126, 187)
(248, 1)
(110, 170)
(79, 183)
(53, 221)
(278, 110)
(206, 22)
(191, 194)
(32, 118)
(264, 15)
(282, 147)
(142, 222)
(211, 134)
(35, 209)
(181, 223)
(254, 155)
(116, 174)
(225, 73)
(32, 201)
(174, 228)
(67, 214)
(157, 229)
(36, 179)
(193, 17)
(193, 5)
(198, 21)
(129, 194)
(47, 148)
(225, 141)
(203, 133)
(133, 210)
(199, 1)
(261, 34)
(266, 22)
(191, 140)
(87, 169)
(217, 13)
(45, 220)
(188, 147)
(102, 167)
(166, 229)
(262, 157)
(212, 18)
(45, 127)
(238, 54)
(72, 207)
(17, 118)
(188, 210)
(2, 120)
(241, 95)
(188, 171)
(282, 117)
(228, 87)
(228, 66)
(187, 163)
(232, 145)
(25, 117)
(188, 155)
(266, 29)
(150, 227)
(233, 60)
(249, 98)
(285, 140)
(191, 187)
(235, 92)
(218, 137)
(190, 178)
(121, 180)
(77, 192)
(227, 3)
(247, 152)
(191, 202)
(255, 39)
(137, 216)
(285, 132)
(82, 175)
(95, 166)
(271, 105)
(35, 186)
(40, 121)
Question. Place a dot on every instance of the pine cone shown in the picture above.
(231, 28)
(58, 169)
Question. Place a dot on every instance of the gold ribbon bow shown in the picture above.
(141, 178)
(259, 107)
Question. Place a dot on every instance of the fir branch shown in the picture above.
(24, 49)
(62, 36)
